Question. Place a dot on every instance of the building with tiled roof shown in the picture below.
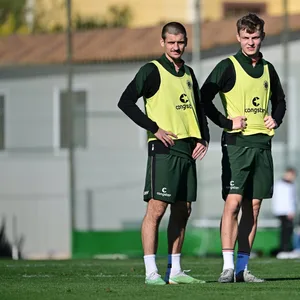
(119, 44)
(155, 12)
(110, 153)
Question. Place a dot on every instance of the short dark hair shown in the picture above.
(251, 23)
(173, 28)
(290, 169)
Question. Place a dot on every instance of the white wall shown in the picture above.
(34, 173)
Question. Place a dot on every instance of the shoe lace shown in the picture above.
(251, 276)
(183, 273)
(225, 272)
(153, 275)
(248, 273)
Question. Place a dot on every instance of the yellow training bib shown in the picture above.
(173, 105)
(250, 98)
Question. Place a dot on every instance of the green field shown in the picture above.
(124, 279)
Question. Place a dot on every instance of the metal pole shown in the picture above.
(30, 14)
(72, 187)
(196, 39)
(15, 250)
(285, 62)
(90, 209)
(196, 48)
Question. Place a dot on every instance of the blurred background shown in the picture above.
(72, 165)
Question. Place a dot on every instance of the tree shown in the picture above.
(12, 16)
(116, 17)
(47, 14)
(81, 23)
(17, 17)
(119, 16)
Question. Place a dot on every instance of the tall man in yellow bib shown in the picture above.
(246, 82)
(177, 136)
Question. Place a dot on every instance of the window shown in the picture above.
(2, 122)
(79, 119)
(238, 9)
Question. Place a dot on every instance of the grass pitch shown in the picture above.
(124, 279)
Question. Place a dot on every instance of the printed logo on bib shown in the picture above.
(183, 99)
(256, 109)
(189, 84)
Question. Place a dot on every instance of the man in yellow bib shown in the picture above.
(177, 136)
(246, 84)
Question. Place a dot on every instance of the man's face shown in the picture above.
(290, 176)
(250, 42)
(174, 46)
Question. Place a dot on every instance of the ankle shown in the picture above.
(174, 272)
(150, 264)
(228, 259)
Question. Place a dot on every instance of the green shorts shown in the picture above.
(247, 171)
(170, 178)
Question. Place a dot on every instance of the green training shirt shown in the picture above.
(223, 80)
(147, 83)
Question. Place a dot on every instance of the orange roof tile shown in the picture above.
(118, 44)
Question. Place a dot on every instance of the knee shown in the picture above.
(181, 211)
(189, 211)
(232, 207)
(155, 212)
(186, 213)
(256, 209)
(251, 210)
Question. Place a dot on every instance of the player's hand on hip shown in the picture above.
(239, 122)
(199, 151)
(165, 137)
(270, 123)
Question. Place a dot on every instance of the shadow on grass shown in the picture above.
(282, 279)
(266, 280)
